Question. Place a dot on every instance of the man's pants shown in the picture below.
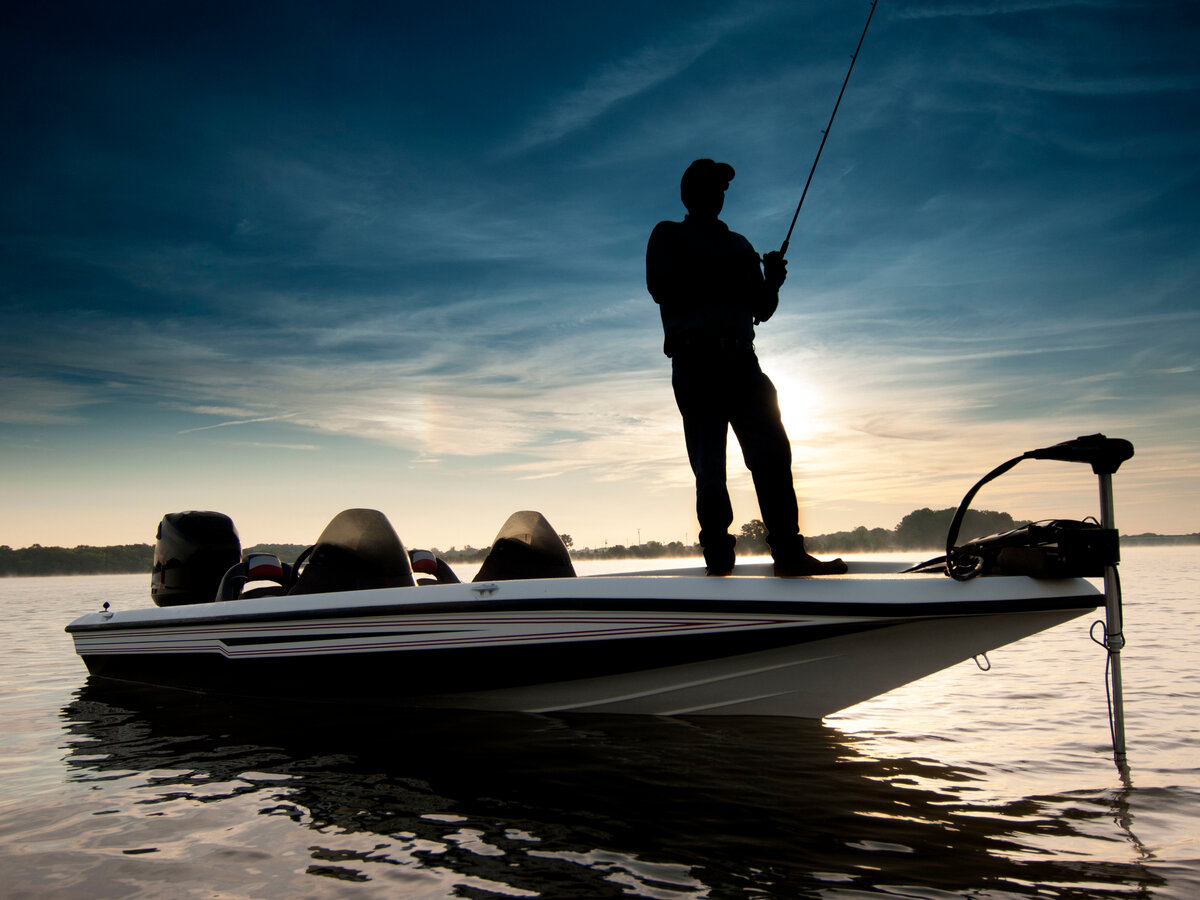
(714, 391)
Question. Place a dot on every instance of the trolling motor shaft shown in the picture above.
(1114, 635)
(1105, 456)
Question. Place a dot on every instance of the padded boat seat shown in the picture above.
(358, 550)
(526, 547)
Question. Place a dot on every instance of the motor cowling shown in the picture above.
(192, 552)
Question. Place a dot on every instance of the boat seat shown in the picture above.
(358, 550)
(526, 547)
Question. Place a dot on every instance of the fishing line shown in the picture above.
(1108, 642)
(1112, 727)
(783, 248)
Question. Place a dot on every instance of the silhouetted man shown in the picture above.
(711, 290)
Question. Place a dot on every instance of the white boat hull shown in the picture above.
(642, 644)
(806, 681)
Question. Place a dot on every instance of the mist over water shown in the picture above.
(988, 784)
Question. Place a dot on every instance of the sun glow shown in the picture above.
(803, 405)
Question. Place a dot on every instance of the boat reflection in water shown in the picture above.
(452, 803)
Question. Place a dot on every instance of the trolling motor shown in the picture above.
(1060, 548)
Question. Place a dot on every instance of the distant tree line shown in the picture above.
(1159, 540)
(467, 554)
(921, 529)
(286, 552)
(648, 550)
(39, 560)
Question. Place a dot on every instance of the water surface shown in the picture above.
(970, 783)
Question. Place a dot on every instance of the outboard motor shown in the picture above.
(192, 552)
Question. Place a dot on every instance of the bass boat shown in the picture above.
(360, 619)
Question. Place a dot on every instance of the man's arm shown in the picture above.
(661, 278)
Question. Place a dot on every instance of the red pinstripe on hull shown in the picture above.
(318, 633)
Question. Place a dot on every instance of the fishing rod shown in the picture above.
(786, 240)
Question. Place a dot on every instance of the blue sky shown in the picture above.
(280, 259)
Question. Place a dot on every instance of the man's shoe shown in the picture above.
(798, 565)
(719, 557)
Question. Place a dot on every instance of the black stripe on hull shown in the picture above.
(398, 674)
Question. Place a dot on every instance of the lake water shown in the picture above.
(981, 784)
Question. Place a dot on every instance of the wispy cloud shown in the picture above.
(626, 78)
(26, 400)
(955, 9)
(265, 445)
(618, 82)
(235, 422)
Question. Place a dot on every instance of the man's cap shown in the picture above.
(706, 171)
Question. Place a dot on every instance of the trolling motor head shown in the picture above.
(1104, 454)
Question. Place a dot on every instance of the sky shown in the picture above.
(283, 259)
